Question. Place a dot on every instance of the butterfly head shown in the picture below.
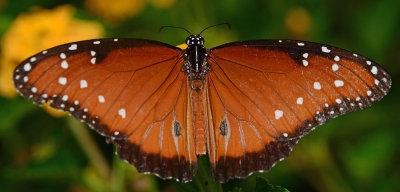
(194, 40)
(195, 66)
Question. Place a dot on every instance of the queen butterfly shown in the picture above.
(245, 103)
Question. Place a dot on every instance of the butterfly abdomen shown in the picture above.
(199, 123)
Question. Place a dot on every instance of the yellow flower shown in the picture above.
(112, 11)
(38, 30)
(298, 21)
(117, 11)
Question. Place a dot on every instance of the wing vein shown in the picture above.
(161, 119)
(283, 100)
(236, 117)
(265, 115)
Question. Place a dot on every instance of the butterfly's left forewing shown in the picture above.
(263, 95)
(132, 91)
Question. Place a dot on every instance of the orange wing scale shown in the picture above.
(264, 96)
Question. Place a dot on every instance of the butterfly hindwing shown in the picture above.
(265, 94)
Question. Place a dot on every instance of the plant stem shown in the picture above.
(89, 147)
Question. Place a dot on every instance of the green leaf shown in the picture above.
(262, 184)
(202, 181)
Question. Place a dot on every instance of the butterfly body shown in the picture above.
(245, 104)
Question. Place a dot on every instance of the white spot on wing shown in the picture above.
(33, 59)
(73, 47)
(96, 42)
(339, 83)
(83, 84)
(122, 113)
(305, 55)
(27, 67)
(65, 98)
(300, 100)
(337, 58)
(300, 44)
(62, 80)
(101, 99)
(92, 53)
(93, 60)
(63, 56)
(33, 89)
(305, 62)
(278, 114)
(374, 70)
(335, 67)
(325, 49)
(317, 86)
(64, 64)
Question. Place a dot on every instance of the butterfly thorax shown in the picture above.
(196, 66)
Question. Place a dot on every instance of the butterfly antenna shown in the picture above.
(227, 24)
(167, 26)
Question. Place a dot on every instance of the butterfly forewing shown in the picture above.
(265, 94)
(132, 91)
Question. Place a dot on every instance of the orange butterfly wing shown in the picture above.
(263, 95)
(132, 91)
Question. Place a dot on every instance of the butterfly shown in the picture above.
(245, 103)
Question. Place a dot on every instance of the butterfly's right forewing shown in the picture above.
(132, 91)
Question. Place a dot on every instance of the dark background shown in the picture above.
(41, 150)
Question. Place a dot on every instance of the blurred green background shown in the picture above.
(44, 150)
